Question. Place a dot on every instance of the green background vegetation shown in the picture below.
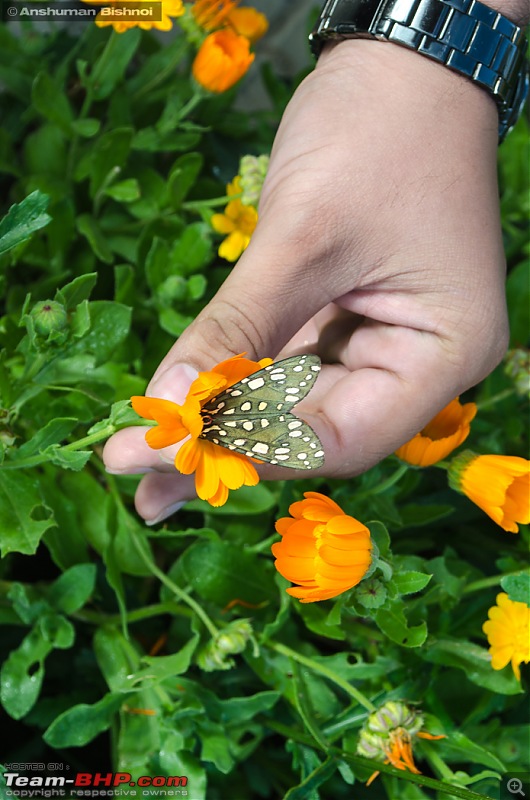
(110, 160)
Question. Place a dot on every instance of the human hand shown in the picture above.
(378, 247)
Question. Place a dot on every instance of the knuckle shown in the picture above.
(226, 329)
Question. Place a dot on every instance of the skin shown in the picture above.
(378, 247)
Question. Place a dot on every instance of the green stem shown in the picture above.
(323, 670)
(137, 615)
(492, 580)
(437, 763)
(197, 205)
(101, 63)
(365, 763)
(37, 460)
(177, 591)
(386, 484)
(192, 103)
(497, 398)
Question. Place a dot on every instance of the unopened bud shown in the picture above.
(252, 171)
(517, 367)
(48, 316)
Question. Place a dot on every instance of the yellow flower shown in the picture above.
(222, 59)
(216, 469)
(212, 14)
(388, 735)
(170, 8)
(322, 549)
(508, 632)
(443, 434)
(499, 485)
(238, 221)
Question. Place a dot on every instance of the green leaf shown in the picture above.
(78, 290)
(410, 582)
(247, 500)
(475, 661)
(182, 176)
(86, 127)
(23, 220)
(49, 100)
(161, 667)
(392, 622)
(108, 72)
(110, 325)
(115, 656)
(518, 297)
(124, 191)
(108, 157)
(22, 674)
(57, 630)
(221, 572)
(458, 747)
(21, 505)
(53, 432)
(193, 250)
(517, 587)
(67, 459)
(82, 723)
(416, 515)
(89, 228)
(320, 775)
(73, 588)
(380, 536)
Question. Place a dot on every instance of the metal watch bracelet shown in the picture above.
(464, 35)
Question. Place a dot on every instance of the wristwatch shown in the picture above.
(464, 35)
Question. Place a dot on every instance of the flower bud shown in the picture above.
(234, 638)
(48, 316)
(231, 640)
(517, 367)
(252, 171)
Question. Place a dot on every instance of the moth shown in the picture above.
(253, 416)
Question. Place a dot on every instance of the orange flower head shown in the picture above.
(223, 58)
(248, 22)
(217, 470)
(170, 8)
(508, 632)
(212, 14)
(443, 434)
(388, 735)
(499, 485)
(238, 221)
(322, 549)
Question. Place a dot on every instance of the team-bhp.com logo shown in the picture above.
(35, 786)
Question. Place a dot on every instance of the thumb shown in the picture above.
(256, 311)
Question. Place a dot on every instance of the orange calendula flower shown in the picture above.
(222, 59)
(499, 485)
(323, 550)
(248, 22)
(132, 18)
(388, 736)
(238, 221)
(508, 632)
(441, 435)
(214, 14)
(217, 470)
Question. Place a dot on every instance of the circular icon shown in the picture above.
(11, 11)
(515, 786)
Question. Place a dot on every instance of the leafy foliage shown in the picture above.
(111, 165)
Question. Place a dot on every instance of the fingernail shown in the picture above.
(173, 384)
(166, 512)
